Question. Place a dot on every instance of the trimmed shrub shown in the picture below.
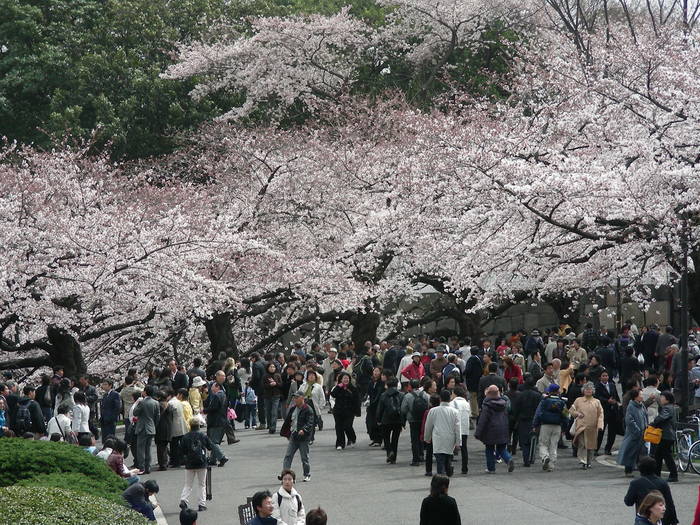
(54, 506)
(77, 482)
(22, 459)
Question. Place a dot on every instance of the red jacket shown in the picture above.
(513, 371)
(413, 371)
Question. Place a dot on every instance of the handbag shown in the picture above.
(231, 414)
(652, 435)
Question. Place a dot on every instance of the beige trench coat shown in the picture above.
(586, 429)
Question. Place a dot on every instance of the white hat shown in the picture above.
(197, 382)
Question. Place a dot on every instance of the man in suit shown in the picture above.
(179, 379)
(473, 372)
(606, 393)
(147, 412)
(491, 379)
(110, 408)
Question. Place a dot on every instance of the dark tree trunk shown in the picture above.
(65, 351)
(220, 333)
(364, 328)
(566, 308)
(469, 324)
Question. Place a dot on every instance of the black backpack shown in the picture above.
(279, 501)
(392, 408)
(420, 405)
(196, 452)
(23, 419)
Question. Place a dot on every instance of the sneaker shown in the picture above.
(545, 464)
(511, 466)
(307, 477)
(490, 471)
(261, 427)
(235, 441)
(183, 504)
(428, 474)
(351, 444)
(202, 508)
(339, 448)
(223, 461)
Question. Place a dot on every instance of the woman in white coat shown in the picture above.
(81, 414)
(287, 505)
(460, 402)
(315, 398)
(442, 429)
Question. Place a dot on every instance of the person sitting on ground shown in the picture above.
(137, 496)
(317, 516)
(115, 461)
(286, 502)
(188, 517)
(87, 442)
(438, 508)
(262, 503)
(648, 481)
(107, 447)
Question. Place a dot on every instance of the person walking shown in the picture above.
(461, 403)
(347, 405)
(666, 421)
(438, 508)
(648, 481)
(606, 393)
(412, 407)
(492, 378)
(442, 429)
(588, 414)
(272, 393)
(287, 504)
(315, 398)
(523, 410)
(549, 416)
(636, 422)
(389, 417)
(375, 389)
(492, 429)
(473, 371)
(297, 428)
(193, 450)
(216, 407)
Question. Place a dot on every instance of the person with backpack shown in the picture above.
(413, 405)
(287, 505)
(389, 417)
(549, 416)
(347, 406)
(362, 372)
(193, 451)
(28, 417)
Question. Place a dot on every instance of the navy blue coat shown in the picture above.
(492, 428)
(110, 407)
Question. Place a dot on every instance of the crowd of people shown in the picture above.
(528, 392)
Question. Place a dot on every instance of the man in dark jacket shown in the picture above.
(137, 496)
(665, 340)
(92, 399)
(147, 413)
(492, 429)
(606, 393)
(178, 379)
(28, 416)
(46, 396)
(491, 379)
(523, 408)
(110, 408)
(193, 448)
(550, 414)
(389, 417)
(297, 428)
(473, 371)
(256, 383)
(216, 406)
(647, 482)
(648, 346)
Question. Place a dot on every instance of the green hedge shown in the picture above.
(22, 459)
(77, 482)
(54, 506)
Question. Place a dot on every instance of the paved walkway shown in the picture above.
(356, 486)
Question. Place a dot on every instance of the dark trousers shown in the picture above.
(261, 411)
(465, 454)
(663, 453)
(375, 434)
(230, 434)
(175, 451)
(343, 429)
(416, 443)
(162, 453)
(143, 451)
(610, 424)
(108, 429)
(444, 464)
(525, 439)
(428, 457)
(391, 436)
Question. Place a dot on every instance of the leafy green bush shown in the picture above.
(77, 482)
(54, 506)
(22, 459)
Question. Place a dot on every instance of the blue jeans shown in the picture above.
(303, 447)
(272, 405)
(495, 451)
(443, 462)
(250, 415)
